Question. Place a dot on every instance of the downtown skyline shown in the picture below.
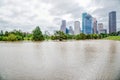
(90, 25)
(48, 13)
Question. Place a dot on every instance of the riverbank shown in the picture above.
(113, 38)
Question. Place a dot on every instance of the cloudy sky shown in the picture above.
(27, 14)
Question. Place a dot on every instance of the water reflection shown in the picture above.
(72, 60)
(112, 51)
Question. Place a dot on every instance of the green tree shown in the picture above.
(4, 38)
(6, 33)
(94, 36)
(53, 37)
(59, 35)
(70, 36)
(80, 36)
(12, 37)
(77, 37)
(37, 34)
(118, 33)
(1, 38)
(18, 37)
(28, 36)
(1, 33)
(46, 37)
(88, 36)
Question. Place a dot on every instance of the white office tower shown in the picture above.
(77, 27)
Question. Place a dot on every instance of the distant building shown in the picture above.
(112, 21)
(67, 31)
(47, 33)
(71, 31)
(87, 23)
(95, 26)
(77, 27)
(63, 26)
(103, 31)
(100, 27)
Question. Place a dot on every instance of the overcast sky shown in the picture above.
(27, 14)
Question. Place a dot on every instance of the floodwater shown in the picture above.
(71, 60)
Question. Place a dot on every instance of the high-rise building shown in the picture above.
(100, 27)
(71, 32)
(67, 31)
(95, 26)
(87, 24)
(112, 21)
(63, 26)
(77, 27)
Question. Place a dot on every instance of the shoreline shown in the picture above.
(61, 41)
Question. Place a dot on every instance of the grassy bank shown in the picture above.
(113, 38)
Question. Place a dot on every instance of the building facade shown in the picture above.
(95, 26)
(100, 27)
(112, 22)
(67, 31)
(77, 27)
(87, 24)
(103, 31)
(71, 31)
(63, 26)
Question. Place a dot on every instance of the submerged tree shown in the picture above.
(59, 35)
(37, 34)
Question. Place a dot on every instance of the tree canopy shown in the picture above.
(37, 34)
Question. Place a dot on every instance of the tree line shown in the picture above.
(18, 35)
(37, 35)
(59, 35)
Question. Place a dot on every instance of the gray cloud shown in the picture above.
(26, 14)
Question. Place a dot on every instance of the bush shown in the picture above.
(19, 38)
(53, 37)
(4, 38)
(0, 38)
(70, 36)
(12, 37)
(59, 35)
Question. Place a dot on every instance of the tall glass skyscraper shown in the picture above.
(112, 21)
(63, 26)
(87, 24)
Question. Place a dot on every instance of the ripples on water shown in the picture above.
(72, 60)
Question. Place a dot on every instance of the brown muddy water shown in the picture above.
(71, 60)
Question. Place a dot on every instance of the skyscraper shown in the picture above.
(71, 32)
(87, 23)
(76, 27)
(63, 26)
(95, 26)
(100, 27)
(67, 31)
(112, 21)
